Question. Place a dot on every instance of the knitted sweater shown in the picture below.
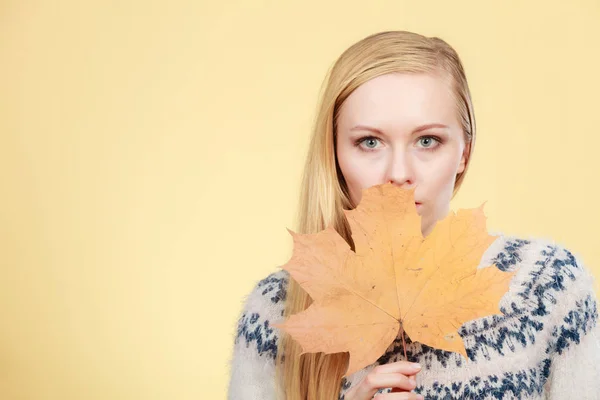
(546, 345)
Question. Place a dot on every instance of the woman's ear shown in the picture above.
(464, 159)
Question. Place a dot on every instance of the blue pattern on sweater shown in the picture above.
(254, 329)
(272, 283)
(511, 255)
(577, 322)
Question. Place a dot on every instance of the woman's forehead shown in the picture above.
(400, 101)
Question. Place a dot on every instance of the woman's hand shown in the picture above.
(398, 375)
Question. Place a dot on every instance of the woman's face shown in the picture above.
(403, 128)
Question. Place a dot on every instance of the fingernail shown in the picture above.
(420, 397)
(416, 365)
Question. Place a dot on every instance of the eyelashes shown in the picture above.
(358, 143)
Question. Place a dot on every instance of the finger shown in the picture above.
(404, 367)
(411, 378)
(375, 381)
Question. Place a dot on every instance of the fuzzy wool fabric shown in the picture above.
(546, 345)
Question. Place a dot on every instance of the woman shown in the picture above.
(397, 108)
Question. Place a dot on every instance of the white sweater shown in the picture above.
(546, 345)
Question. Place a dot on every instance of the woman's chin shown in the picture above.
(426, 227)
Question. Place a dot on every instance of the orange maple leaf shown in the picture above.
(395, 278)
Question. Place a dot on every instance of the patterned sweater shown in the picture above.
(546, 345)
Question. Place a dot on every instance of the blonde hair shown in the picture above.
(324, 194)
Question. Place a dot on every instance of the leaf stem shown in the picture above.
(404, 344)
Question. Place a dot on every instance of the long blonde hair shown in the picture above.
(324, 194)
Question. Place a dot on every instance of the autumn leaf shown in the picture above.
(394, 278)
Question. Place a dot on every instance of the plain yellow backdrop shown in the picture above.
(151, 155)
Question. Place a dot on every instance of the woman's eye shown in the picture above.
(428, 141)
(369, 142)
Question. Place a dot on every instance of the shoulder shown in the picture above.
(511, 252)
(253, 361)
(269, 294)
(550, 302)
(263, 306)
(551, 285)
(539, 259)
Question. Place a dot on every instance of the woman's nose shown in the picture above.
(400, 172)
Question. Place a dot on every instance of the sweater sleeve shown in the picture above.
(252, 365)
(574, 345)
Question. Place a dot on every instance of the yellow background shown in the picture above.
(151, 154)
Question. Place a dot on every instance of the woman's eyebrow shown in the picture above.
(367, 128)
(417, 129)
(429, 126)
